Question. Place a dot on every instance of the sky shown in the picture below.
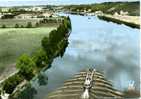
(52, 2)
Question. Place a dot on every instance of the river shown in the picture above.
(109, 47)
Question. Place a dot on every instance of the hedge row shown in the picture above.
(31, 25)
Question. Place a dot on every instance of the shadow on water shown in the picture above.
(110, 48)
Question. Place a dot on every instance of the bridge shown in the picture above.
(88, 84)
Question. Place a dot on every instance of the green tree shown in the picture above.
(47, 46)
(53, 37)
(41, 58)
(37, 24)
(10, 84)
(27, 93)
(22, 26)
(16, 25)
(29, 25)
(26, 66)
(42, 79)
(3, 26)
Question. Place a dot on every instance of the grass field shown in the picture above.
(11, 22)
(16, 41)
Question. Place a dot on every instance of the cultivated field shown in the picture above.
(16, 41)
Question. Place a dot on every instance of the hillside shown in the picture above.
(108, 7)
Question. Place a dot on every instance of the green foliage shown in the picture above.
(29, 25)
(109, 7)
(40, 58)
(26, 67)
(8, 16)
(22, 26)
(10, 84)
(16, 25)
(3, 26)
(23, 40)
(42, 79)
(37, 24)
(63, 46)
(53, 37)
(50, 45)
(27, 93)
(69, 23)
(47, 46)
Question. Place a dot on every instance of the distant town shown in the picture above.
(26, 12)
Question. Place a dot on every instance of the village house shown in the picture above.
(1, 14)
(5, 9)
(89, 10)
(98, 13)
(123, 13)
(116, 14)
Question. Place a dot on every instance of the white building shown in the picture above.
(123, 13)
(5, 9)
(116, 14)
(98, 13)
(1, 15)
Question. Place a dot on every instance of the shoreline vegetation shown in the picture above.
(118, 12)
(25, 36)
(121, 20)
(24, 40)
(18, 86)
(132, 8)
(29, 23)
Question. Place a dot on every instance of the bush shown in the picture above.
(3, 26)
(10, 84)
(29, 25)
(42, 79)
(37, 24)
(22, 26)
(27, 93)
(26, 67)
(46, 45)
(40, 58)
(16, 25)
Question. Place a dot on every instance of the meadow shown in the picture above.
(16, 41)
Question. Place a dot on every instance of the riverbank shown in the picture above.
(132, 21)
(30, 67)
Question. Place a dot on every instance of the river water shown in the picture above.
(106, 46)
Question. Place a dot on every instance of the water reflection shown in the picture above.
(42, 79)
(110, 48)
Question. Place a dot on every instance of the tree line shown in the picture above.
(37, 24)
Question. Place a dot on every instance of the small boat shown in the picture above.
(89, 18)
